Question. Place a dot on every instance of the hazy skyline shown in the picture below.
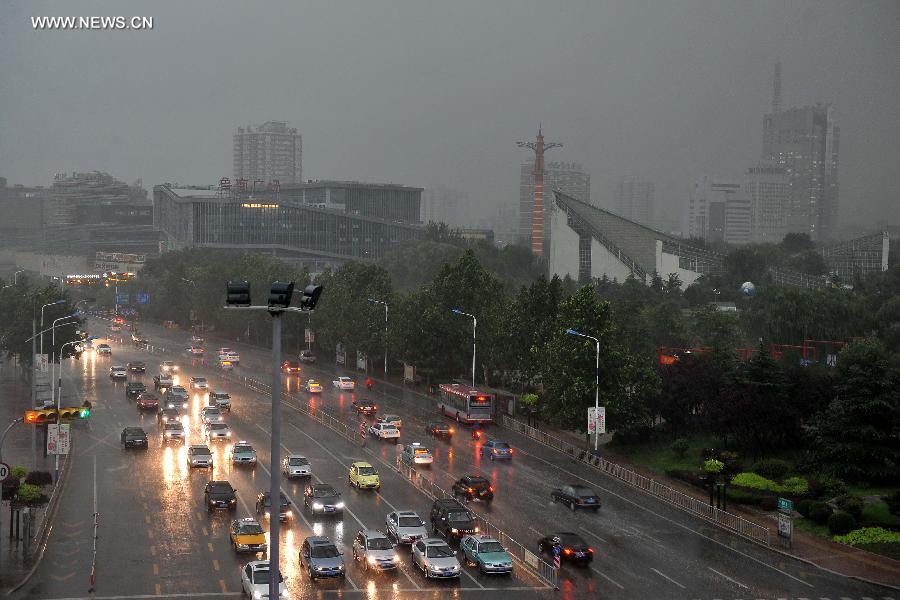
(425, 93)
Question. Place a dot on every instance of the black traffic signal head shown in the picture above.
(311, 296)
(280, 295)
(238, 293)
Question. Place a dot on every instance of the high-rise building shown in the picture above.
(271, 152)
(635, 200)
(443, 204)
(769, 192)
(804, 141)
(719, 210)
(566, 177)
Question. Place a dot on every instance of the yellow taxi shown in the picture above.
(364, 476)
(247, 536)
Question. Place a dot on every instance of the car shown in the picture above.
(576, 496)
(197, 340)
(435, 558)
(306, 356)
(211, 414)
(452, 520)
(115, 328)
(227, 354)
(405, 526)
(221, 400)
(199, 383)
(263, 506)
(199, 455)
(247, 536)
(168, 366)
(291, 367)
(224, 364)
(139, 340)
(243, 453)
(572, 547)
(366, 407)
(166, 414)
(364, 476)
(385, 432)
(295, 465)
(137, 366)
(218, 494)
(178, 396)
(255, 577)
(217, 432)
(196, 351)
(486, 553)
(322, 498)
(344, 383)
(147, 401)
(495, 450)
(375, 551)
(439, 429)
(104, 349)
(173, 431)
(416, 454)
(312, 386)
(134, 437)
(394, 420)
(321, 558)
(473, 487)
(118, 372)
(163, 381)
(133, 389)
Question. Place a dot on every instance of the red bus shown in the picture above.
(466, 404)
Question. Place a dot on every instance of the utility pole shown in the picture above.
(34, 392)
(537, 218)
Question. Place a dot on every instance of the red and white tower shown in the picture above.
(537, 215)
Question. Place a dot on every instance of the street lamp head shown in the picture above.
(457, 311)
(572, 332)
(63, 301)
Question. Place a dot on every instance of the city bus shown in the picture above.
(465, 404)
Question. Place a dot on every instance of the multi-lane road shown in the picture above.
(157, 539)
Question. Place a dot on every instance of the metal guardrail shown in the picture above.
(531, 561)
(680, 500)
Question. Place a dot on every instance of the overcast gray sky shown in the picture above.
(421, 92)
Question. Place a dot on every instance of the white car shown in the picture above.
(118, 372)
(255, 580)
(217, 432)
(211, 414)
(417, 454)
(344, 383)
(199, 383)
(394, 420)
(385, 431)
(405, 526)
(435, 558)
(199, 456)
(104, 349)
(173, 430)
(168, 366)
(295, 465)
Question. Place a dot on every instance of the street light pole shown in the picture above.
(42, 320)
(596, 385)
(373, 301)
(59, 400)
(474, 326)
(15, 278)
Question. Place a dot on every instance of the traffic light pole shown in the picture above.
(274, 466)
(58, 398)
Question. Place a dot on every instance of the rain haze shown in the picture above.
(437, 93)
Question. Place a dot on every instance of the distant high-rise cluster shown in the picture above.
(268, 153)
(719, 211)
(635, 200)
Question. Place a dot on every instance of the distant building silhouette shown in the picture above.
(271, 152)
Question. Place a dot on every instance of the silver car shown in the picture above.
(296, 466)
(211, 414)
(405, 526)
(199, 456)
(375, 551)
(217, 432)
(321, 558)
(173, 431)
(435, 558)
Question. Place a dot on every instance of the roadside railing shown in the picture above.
(531, 561)
(680, 500)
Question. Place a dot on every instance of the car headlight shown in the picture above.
(476, 529)
(371, 560)
(339, 505)
(317, 505)
(454, 530)
(287, 511)
(396, 558)
(257, 595)
(227, 434)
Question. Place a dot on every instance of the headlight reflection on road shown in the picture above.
(317, 528)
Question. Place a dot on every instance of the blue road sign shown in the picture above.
(142, 297)
(122, 299)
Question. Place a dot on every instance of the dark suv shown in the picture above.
(452, 520)
(134, 437)
(474, 487)
(133, 389)
(220, 495)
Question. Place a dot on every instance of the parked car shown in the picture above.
(576, 496)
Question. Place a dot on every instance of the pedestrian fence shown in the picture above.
(679, 500)
(532, 562)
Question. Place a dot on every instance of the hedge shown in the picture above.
(853, 504)
(841, 523)
(869, 535)
(820, 512)
(795, 486)
(773, 468)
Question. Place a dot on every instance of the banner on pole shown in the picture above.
(596, 420)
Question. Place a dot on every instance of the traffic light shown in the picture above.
(311, 296)
(48, 415)
(280, 295)
(238, 293)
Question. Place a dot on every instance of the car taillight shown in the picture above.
(591, 550)
(450, 430)
(491, 488)
(510, 450)
(567, 551)
(471, 490)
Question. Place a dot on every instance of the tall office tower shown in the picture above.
(635, 200)
(769, 192)
(273, 151)
(804, 141)
(719, 210)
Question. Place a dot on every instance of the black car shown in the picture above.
(366, 407)
(576, 496)
(263, 506)
(134, 389)
(572, 547)
(134, 437)
(166, 414)
(137, 366)
(220, 495)
(474, 487)
(452, 520)
(322, 498)
(439, 429)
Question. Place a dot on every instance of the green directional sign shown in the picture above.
(785, 505)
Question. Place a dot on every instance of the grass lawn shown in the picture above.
(877, 514)
(872, 491)
(811, 526)
(657, 454)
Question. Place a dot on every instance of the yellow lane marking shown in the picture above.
(205, 532)
(158, 591)
(155, 569)
(215, 564)
(222, 585)
(209, 545)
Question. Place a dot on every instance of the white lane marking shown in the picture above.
(536, 531)
(664, 576)
(608, 578)
(592, 534)
(727, 577)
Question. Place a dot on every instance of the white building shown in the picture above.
(719, 210)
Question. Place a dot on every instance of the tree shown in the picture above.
(794, 243)
(693, 382)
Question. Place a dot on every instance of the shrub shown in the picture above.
(803, 507)
(740, 496)
(772, 468)
(893, 503)
(824, 485)
(869, 535)
(680, 447)
(841, 523)
(819, 512)
(39, 478)
(29, 493)
(753, 481)
(768, 503)
(796, 486)
(18, 472)
(853, 504)
(712, 465)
